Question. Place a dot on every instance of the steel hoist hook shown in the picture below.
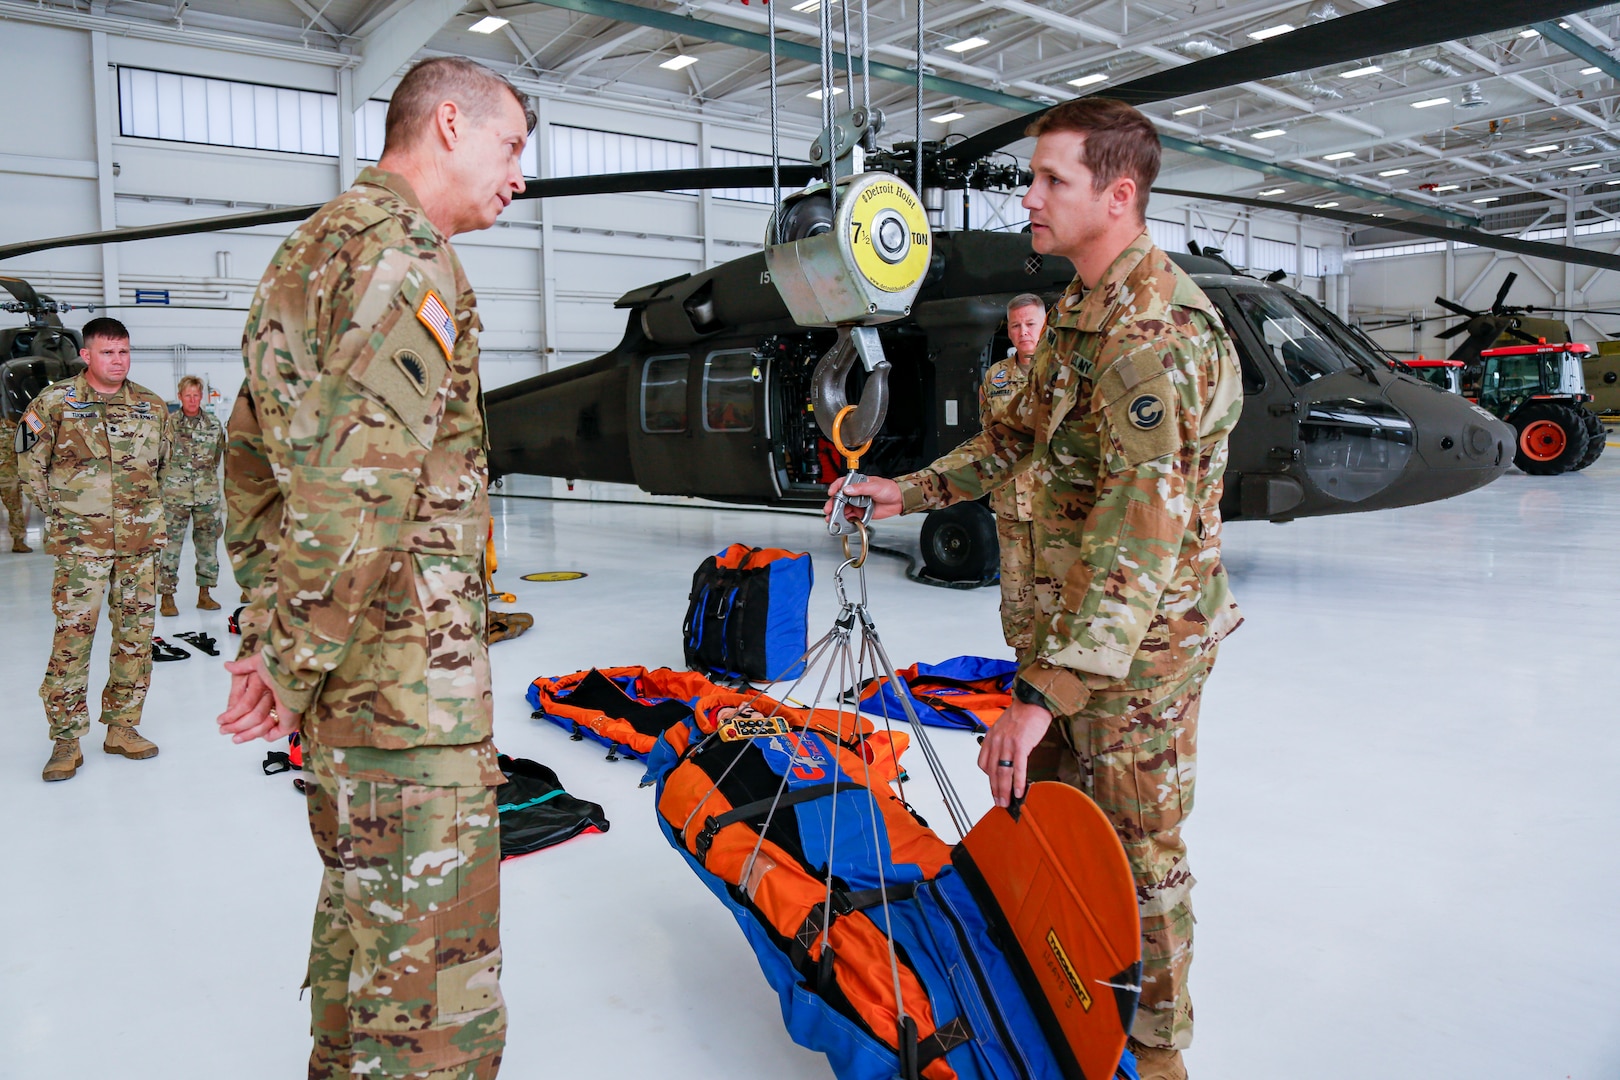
(827, 387)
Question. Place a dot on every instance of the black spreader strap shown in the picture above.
(748, 811)
(943, 1041)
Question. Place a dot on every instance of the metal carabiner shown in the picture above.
(827, 385)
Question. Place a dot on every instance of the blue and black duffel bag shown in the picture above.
(748, 614)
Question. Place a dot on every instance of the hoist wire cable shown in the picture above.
(829, 109)
(919, 101)
(776, 132)
(866, 66)
(936, 764)
(849, 59)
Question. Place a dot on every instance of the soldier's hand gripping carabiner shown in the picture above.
(839, 522)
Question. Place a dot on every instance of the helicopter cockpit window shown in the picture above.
(663, 395)
(728, 390)
(1298, 347)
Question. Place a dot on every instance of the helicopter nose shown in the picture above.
(1459, 443)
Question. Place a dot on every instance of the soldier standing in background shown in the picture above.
(356, 486)
(1003, 381)
(95, 445)
(11, 487)
(1124, 425)
(191, 495)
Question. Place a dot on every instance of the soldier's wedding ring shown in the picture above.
(1005, 764)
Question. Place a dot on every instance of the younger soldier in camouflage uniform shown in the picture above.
(1124, 426)
(1003, 381)
(191, 495)
(98, 445)
(356, 487)
(11, 487)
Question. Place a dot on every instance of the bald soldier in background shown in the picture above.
(356, 490)
(94, 447)
(1124, 426)
(1003, 381)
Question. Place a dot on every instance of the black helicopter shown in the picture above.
(36, 354)
(710, 391)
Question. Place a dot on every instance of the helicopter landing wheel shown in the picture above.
(959, 543)
(1552, 438)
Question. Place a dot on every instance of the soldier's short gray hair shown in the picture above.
(1023, 300)
(472, 86)
(191, 381)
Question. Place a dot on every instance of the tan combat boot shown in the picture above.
(1157, 1062)
(204, 601)
(126, 741)
(20, 546)
(66, 757)
(168, 607)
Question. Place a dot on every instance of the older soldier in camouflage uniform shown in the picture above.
(11, 487)
(1124, 426)
(1003, 381)
(97, 447)
(191, 496)
(356, 486)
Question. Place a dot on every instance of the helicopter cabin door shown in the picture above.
(701, 423)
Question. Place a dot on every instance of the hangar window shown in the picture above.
(663, 395)
(222, 112)
(728, 390)
(721, 158)
(585, 152)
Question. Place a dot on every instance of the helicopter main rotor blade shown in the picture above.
(1404, 24)
(1451, 332)
(1453, 306)
(1532, 248)
(23, 291)
(1501, 294)
(744, 176)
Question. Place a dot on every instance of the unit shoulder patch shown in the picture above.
(1142, 425)
(415, 370)
(1146, 411)
(434, 315)
(406, 372)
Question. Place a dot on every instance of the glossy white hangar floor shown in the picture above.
(1404, 836)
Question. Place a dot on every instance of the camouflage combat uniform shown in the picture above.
(1002, 382)
(191, 496)
(1124, 426)
(356, 488)
(94, 469)
(11, 483)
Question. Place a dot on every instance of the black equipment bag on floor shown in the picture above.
(536, 812)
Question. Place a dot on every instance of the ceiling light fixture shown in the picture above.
(1272, 191)
(966, 43)
(815, 94)
(1611, 183)
(1394, 172)
(1089, 80)
(811, 6)
(1448, 187)
(1429, 103)
(676, 63)
(1590, 70)
(1529, 33)
(1340, 156)
(1326, 205)
(1588, 165)
(1356, 73)
(1189, 110)
(1549, 148)
(488, 24)
(1488, 198)
(945, 118)
(1272, 31)
(1271, 133)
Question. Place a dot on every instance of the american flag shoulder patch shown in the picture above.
(438, 320)
(35, 424)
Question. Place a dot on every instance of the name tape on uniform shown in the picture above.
(438, 320)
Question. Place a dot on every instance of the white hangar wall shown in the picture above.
(546, 275)
(1390, 288)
